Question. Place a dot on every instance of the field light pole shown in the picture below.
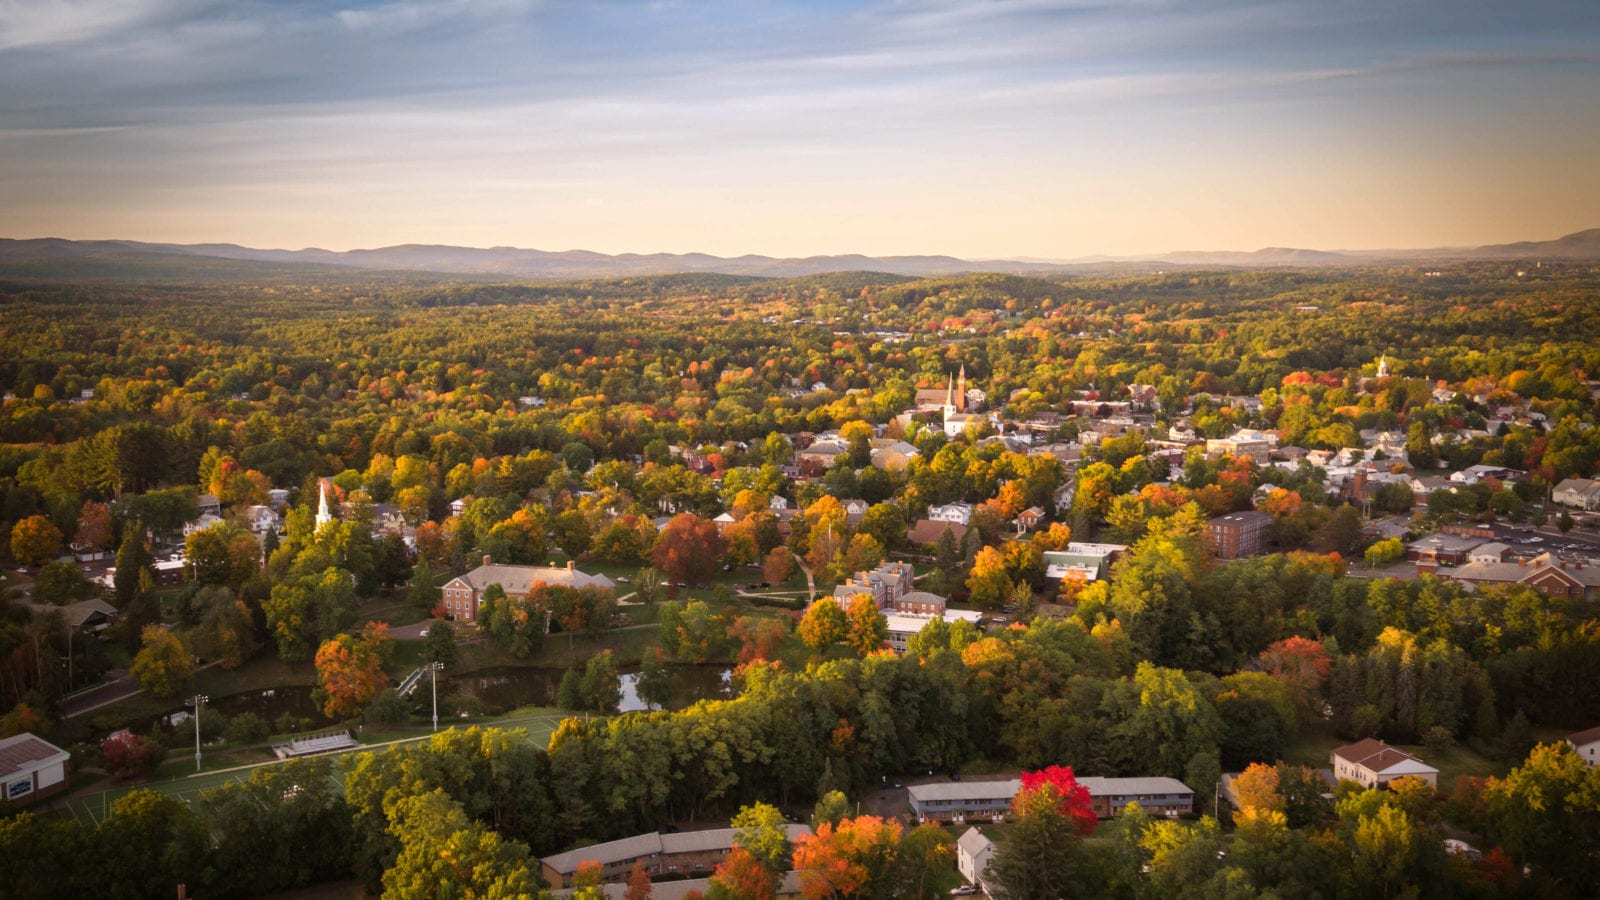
(433, 669)
(197, 700)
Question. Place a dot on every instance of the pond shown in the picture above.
(505, 689)
(497, 691)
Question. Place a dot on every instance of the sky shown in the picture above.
(985, 130)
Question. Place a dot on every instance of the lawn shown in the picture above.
(1317, 740)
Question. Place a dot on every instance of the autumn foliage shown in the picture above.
(350, 670)
(847, 860)
(1056, 786)
(744, 876)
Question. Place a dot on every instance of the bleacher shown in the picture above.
(313, 744)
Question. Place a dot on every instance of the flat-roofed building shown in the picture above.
(1239, 534)
(31, 768)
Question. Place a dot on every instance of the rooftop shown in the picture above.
(26, 752)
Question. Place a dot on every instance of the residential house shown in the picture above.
(958, 512)
(818, 458)
(1586, 744)
(1473, 474)
(262, 519)
(1373, 764)
(206, 520)
(973, 853)
(1029, 519)
(1578, 493)
(1239, 534)
(462, 595)
(208, 504)
(93, 615)
(855, 509)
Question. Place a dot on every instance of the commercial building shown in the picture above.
(1239, 534)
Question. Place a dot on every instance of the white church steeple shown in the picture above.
(323, 516)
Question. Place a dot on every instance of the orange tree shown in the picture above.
(868, 629)
(35, 541)
(823, 625)
(350, 670)
(854, 859)
(688, 549)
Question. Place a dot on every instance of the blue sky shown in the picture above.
(1027, 128)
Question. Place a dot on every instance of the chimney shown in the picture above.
(570, 565)
(487, 559)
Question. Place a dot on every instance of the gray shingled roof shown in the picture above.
(519, 579)
(609, 853)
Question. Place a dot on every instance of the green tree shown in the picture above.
(654, 685)
(1042, 855)
(444, 853)
(440, 644)
(1547, 815)
(600, 688)
(759, 829)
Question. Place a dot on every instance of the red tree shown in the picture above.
(1300, 663)
(125, 754)
(1057, 785)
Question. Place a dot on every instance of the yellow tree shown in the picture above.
(163, 666)
(823, 625)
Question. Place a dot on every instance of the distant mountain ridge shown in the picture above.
(513, 262)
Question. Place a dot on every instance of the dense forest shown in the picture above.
(610, 422)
